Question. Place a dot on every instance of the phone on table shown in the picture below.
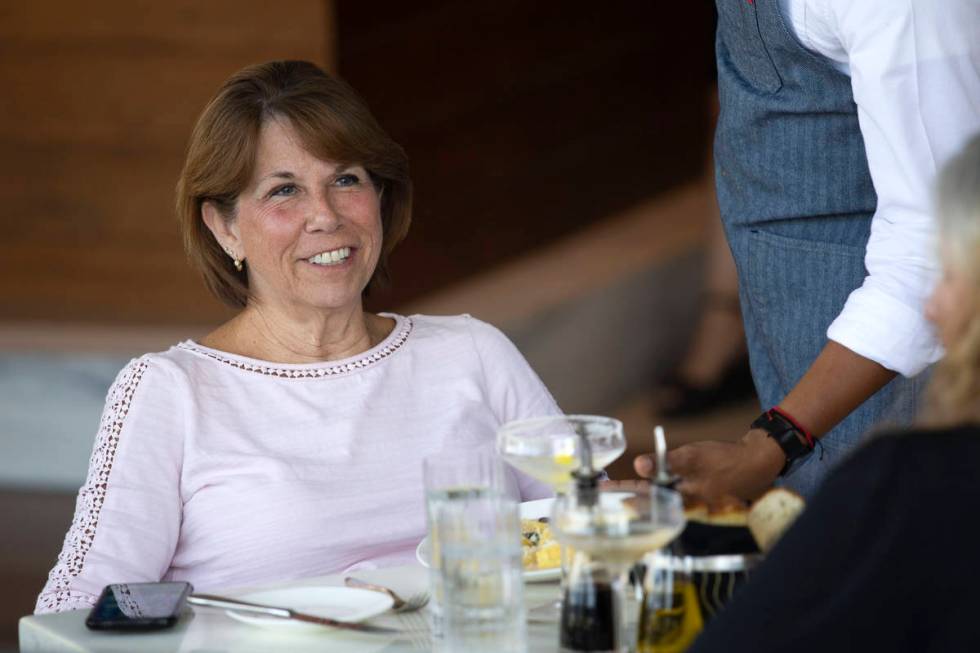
(139, 606)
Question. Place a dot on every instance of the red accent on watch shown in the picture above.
(810, 440)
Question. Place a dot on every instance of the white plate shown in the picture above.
(340, 603)
(528, 510)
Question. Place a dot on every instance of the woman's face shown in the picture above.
(951, 306)
(309, 230)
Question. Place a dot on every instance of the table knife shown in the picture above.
(212, 601)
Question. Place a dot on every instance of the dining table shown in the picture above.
(214, 631)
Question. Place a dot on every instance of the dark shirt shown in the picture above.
(886, 557)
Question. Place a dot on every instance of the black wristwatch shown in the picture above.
(797, 444)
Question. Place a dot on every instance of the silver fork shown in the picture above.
(413, 602)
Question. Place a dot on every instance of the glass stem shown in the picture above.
(625, 606)
(563, 558)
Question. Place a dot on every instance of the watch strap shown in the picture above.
(795, 441)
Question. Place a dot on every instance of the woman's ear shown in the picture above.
(225, 231)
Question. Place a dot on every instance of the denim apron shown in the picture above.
(796, 201)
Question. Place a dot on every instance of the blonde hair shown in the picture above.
(332, 121)
(954, 393)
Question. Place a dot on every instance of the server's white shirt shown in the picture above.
(915, 74)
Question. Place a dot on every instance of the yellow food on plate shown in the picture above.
(541, 550)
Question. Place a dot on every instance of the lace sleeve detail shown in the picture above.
(58, 594)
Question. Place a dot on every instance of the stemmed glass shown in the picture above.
(614, 529)
(548, 448)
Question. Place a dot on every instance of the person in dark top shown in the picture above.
(884, 557)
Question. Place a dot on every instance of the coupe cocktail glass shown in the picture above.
(549, 448)
(610, 532)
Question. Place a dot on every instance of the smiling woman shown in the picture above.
(324, 118)
(288, 442)
(309, 232)
(309, 200)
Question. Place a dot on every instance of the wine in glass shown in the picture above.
(549, 448)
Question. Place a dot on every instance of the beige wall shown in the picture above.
(96, 104)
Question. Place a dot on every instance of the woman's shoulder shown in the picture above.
(177, 361)
(463, 326)
(458, 322)
(461, 338)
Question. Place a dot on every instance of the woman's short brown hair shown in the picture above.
(332, 121)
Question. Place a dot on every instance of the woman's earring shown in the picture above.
(237, 262)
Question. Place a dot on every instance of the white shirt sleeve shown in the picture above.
(915, 75)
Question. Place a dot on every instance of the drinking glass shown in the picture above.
(670, 615)
(682, 593)
(609, 536)
(549, 448)
(476, 576)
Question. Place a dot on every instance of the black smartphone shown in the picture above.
(138, 606)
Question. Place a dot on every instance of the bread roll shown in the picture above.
(772, 514)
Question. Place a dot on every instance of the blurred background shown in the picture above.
(560, 152)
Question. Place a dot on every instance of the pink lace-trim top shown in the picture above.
(227, 471)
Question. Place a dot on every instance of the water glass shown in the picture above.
(476, 573)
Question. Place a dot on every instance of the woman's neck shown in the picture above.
(266, 334)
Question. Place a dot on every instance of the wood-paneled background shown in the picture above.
(96, 105)
(524, 121)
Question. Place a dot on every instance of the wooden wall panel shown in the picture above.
(96, 105)
(528, 121)
(524, 122)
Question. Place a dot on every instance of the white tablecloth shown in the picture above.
(212, 631)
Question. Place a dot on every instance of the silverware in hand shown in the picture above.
(413, 602)
(212, 601)
(663, 478)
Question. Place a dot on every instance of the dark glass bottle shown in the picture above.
(589, 610)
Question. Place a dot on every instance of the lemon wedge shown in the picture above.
(564, 459)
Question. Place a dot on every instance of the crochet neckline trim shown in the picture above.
(381, 351)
